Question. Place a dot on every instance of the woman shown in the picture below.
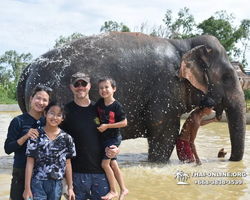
(20, 129)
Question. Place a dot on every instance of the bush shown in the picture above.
(247, 94)
(8, 95)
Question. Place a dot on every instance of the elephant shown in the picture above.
(158, 80)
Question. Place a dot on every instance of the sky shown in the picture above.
(32, 26)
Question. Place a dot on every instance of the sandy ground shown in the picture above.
(9, 107)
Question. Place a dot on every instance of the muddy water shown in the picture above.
(147, 181)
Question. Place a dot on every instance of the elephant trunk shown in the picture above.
(237, 127)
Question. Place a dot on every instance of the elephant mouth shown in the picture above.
(219, 112)
(219, 109)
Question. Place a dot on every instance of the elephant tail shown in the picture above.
(21, 87)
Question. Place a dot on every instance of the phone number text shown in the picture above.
(218, 182)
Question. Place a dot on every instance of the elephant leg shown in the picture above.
(162, 139)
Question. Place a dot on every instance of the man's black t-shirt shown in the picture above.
(81, 123)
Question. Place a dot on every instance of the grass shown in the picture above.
(7, 101)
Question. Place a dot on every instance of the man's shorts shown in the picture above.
(184, 151)
(109, 142)
(90, 186)
(17, 184)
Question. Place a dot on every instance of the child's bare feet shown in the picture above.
(110, 195)
(123, 194)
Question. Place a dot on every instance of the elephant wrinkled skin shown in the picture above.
(158, 80)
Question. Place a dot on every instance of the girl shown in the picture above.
(20, 129)
(48, 158)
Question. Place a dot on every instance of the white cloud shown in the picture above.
(32, 26)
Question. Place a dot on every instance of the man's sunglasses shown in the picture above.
(82, 83)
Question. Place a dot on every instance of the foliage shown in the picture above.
(11, 67)
(62, 40)
(182, 27)
(247, 94)
(221, 26)
(245, 28)
(8, 95)
(111, 26)
(12, 60)
(234, 39)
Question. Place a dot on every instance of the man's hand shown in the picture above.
(112, 151)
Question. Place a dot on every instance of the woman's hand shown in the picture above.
(32, 133)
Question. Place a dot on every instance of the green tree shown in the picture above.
(5, 76)
(62, 40)
(11, 67)
(221, 26)
(247, 94)
(12, 64)
(182, 27)
(245, 28)
(111, 26)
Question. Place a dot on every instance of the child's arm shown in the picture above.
(193, 147)
(104, 127)
(69, 180)
(28, 174)
(204, 122)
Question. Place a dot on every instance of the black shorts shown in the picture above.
(17, 184)
(111, 141)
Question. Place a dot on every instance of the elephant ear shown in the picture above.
(194, 66)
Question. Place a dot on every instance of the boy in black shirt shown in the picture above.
(112, 118)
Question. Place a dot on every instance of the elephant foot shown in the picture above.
(235, 158)
(159, 151)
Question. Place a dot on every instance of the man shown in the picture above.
(81, 122)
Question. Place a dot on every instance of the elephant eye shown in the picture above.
(226, 78)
